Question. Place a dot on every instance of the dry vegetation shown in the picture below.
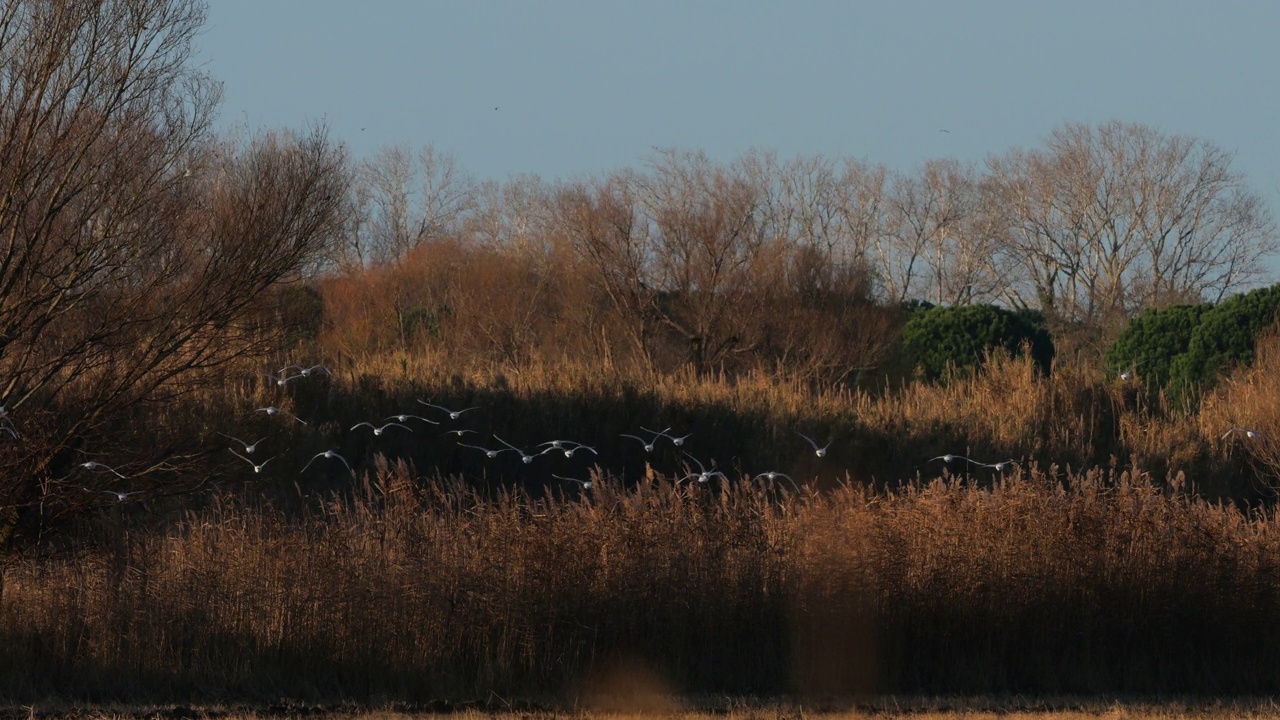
(442, 575)
(153, 273)
(892, 708)
(419, 587)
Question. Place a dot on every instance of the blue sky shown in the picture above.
(586, 86)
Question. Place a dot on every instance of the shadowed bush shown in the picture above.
(938, 338)
(1224, 337)
(1150, 342)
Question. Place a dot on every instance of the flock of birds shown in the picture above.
(691, 468)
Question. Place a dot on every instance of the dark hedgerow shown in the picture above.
(938, 337)
(1224, 337)
(1152, 340)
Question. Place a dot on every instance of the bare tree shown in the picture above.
(514, 215)
(934, 246)
(605, 226)
(1108, 219)
(133, 248)
(412, 199)
(711, 256)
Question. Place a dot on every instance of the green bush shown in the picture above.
(1224, 337)
(1152, 340)
(940, 337)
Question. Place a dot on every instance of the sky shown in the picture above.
(568, 88)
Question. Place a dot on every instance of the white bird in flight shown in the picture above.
(406, 418)
(248, 447)
(703, 475)
(677, 441)
(272, 411)
(648, 444)
(453, 414)
(1247, 432)
(378, 430)
(306, 371)
(524, 457)
(257, 467)
(329, 455)
(949, 458)
(281, 380)
(568, 452)
(553, 445)
(491, 454)
(819, 451)
(586, 484)
(91, 465)
(998, 466)
(120, 496)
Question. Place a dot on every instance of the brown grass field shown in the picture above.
(436, 576)
(885, 709)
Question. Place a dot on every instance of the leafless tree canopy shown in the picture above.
(132, 245)
(406, 199)
(1108, 219)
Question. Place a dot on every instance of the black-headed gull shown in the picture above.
(525, 457)
(379, 429)
(281, 380)
(490, 454)
(648, 444)
(568, 450)
(1247, 432)
(306, 371)
(407, 418)
(998, 466)
(677, 440)
(949, 458)
(257, 467)
(703, 475)
(328, 455)
(819, 451)
(120, 496)
(586, 484)
(453, 414)
(272, 411)
(248, 447)
(91, 465)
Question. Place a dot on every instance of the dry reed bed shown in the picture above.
(889, 708)
(414, 588)
(1076, 419)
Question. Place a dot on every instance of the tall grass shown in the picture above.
(415, 588)
(1126, 553)
(1077, 418)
